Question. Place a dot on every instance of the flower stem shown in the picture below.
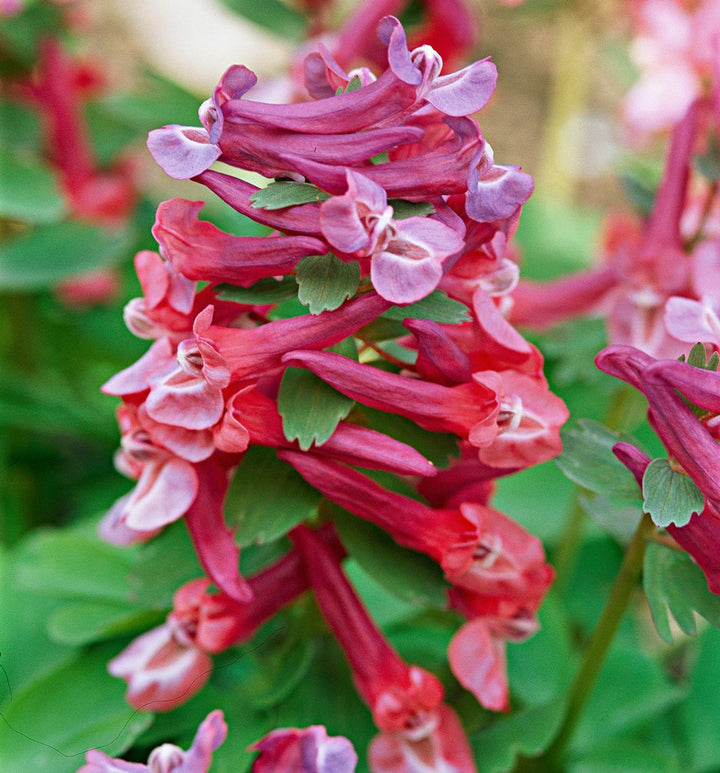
(599, 644)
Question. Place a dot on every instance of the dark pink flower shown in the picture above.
(199, 250)
(310, 750)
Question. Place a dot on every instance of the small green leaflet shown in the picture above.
(262, 292)
(675, 584)
(697, 357)
(587, 459)
(669, 496)
(326, 282)
(278, 195)
(353, 85)
(436, 306)
(403, 209)
(267, 498)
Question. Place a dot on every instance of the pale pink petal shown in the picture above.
(466, 91)
(478, 661)
(182, 151)
(693, 321)
(161, 673)
(163, 494)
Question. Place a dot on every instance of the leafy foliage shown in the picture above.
(675, 585)
(267, 498)
(40, 258)
(587, 459)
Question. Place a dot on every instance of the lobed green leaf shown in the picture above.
(325, 282)
(267, 498)
(670, 496)
(674, 584)
(436, 306)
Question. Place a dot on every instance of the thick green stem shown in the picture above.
(599, 644)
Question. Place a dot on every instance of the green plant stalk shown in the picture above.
(599, 644)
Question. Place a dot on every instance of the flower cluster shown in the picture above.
(657, 287)
(391, 221)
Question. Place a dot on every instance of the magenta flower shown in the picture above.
(199, 250)
(406, 256)
(310, 750)
(168, 758)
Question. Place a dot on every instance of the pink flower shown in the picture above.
(407, 255)
(310, 750)
(162, 668)
(168, 758)
(442, 747)
(191, 396)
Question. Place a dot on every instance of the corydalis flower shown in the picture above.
(310, 750)
(168, 758)
(406, 255)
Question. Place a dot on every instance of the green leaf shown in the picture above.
(612, 515)
(40, 258)
(527, 732)
(436, 306)
(87, 622)
(157, 102)
(19, 127)
(262, 292)
(62, 564)
(79, 706)
(325, 282)
(708, 163)
(164, 564)
(280, 664)
(310, 408)
(267, 498)
(27, 654)
(588, 460)
(697, 357)
(632, 691)
(640, 179)
(626, 755)
(385, 607)
(29, 191)
(675, 584)
(391, 565)
(698, 716)
(438, 447)
(278, 195)
(272, 15)
(670, 496)
(541, 668)
(403, 209)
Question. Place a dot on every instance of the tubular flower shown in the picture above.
(691, 442)
(406, 701)
(310, 750)
(648, 281)
(168, 758)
